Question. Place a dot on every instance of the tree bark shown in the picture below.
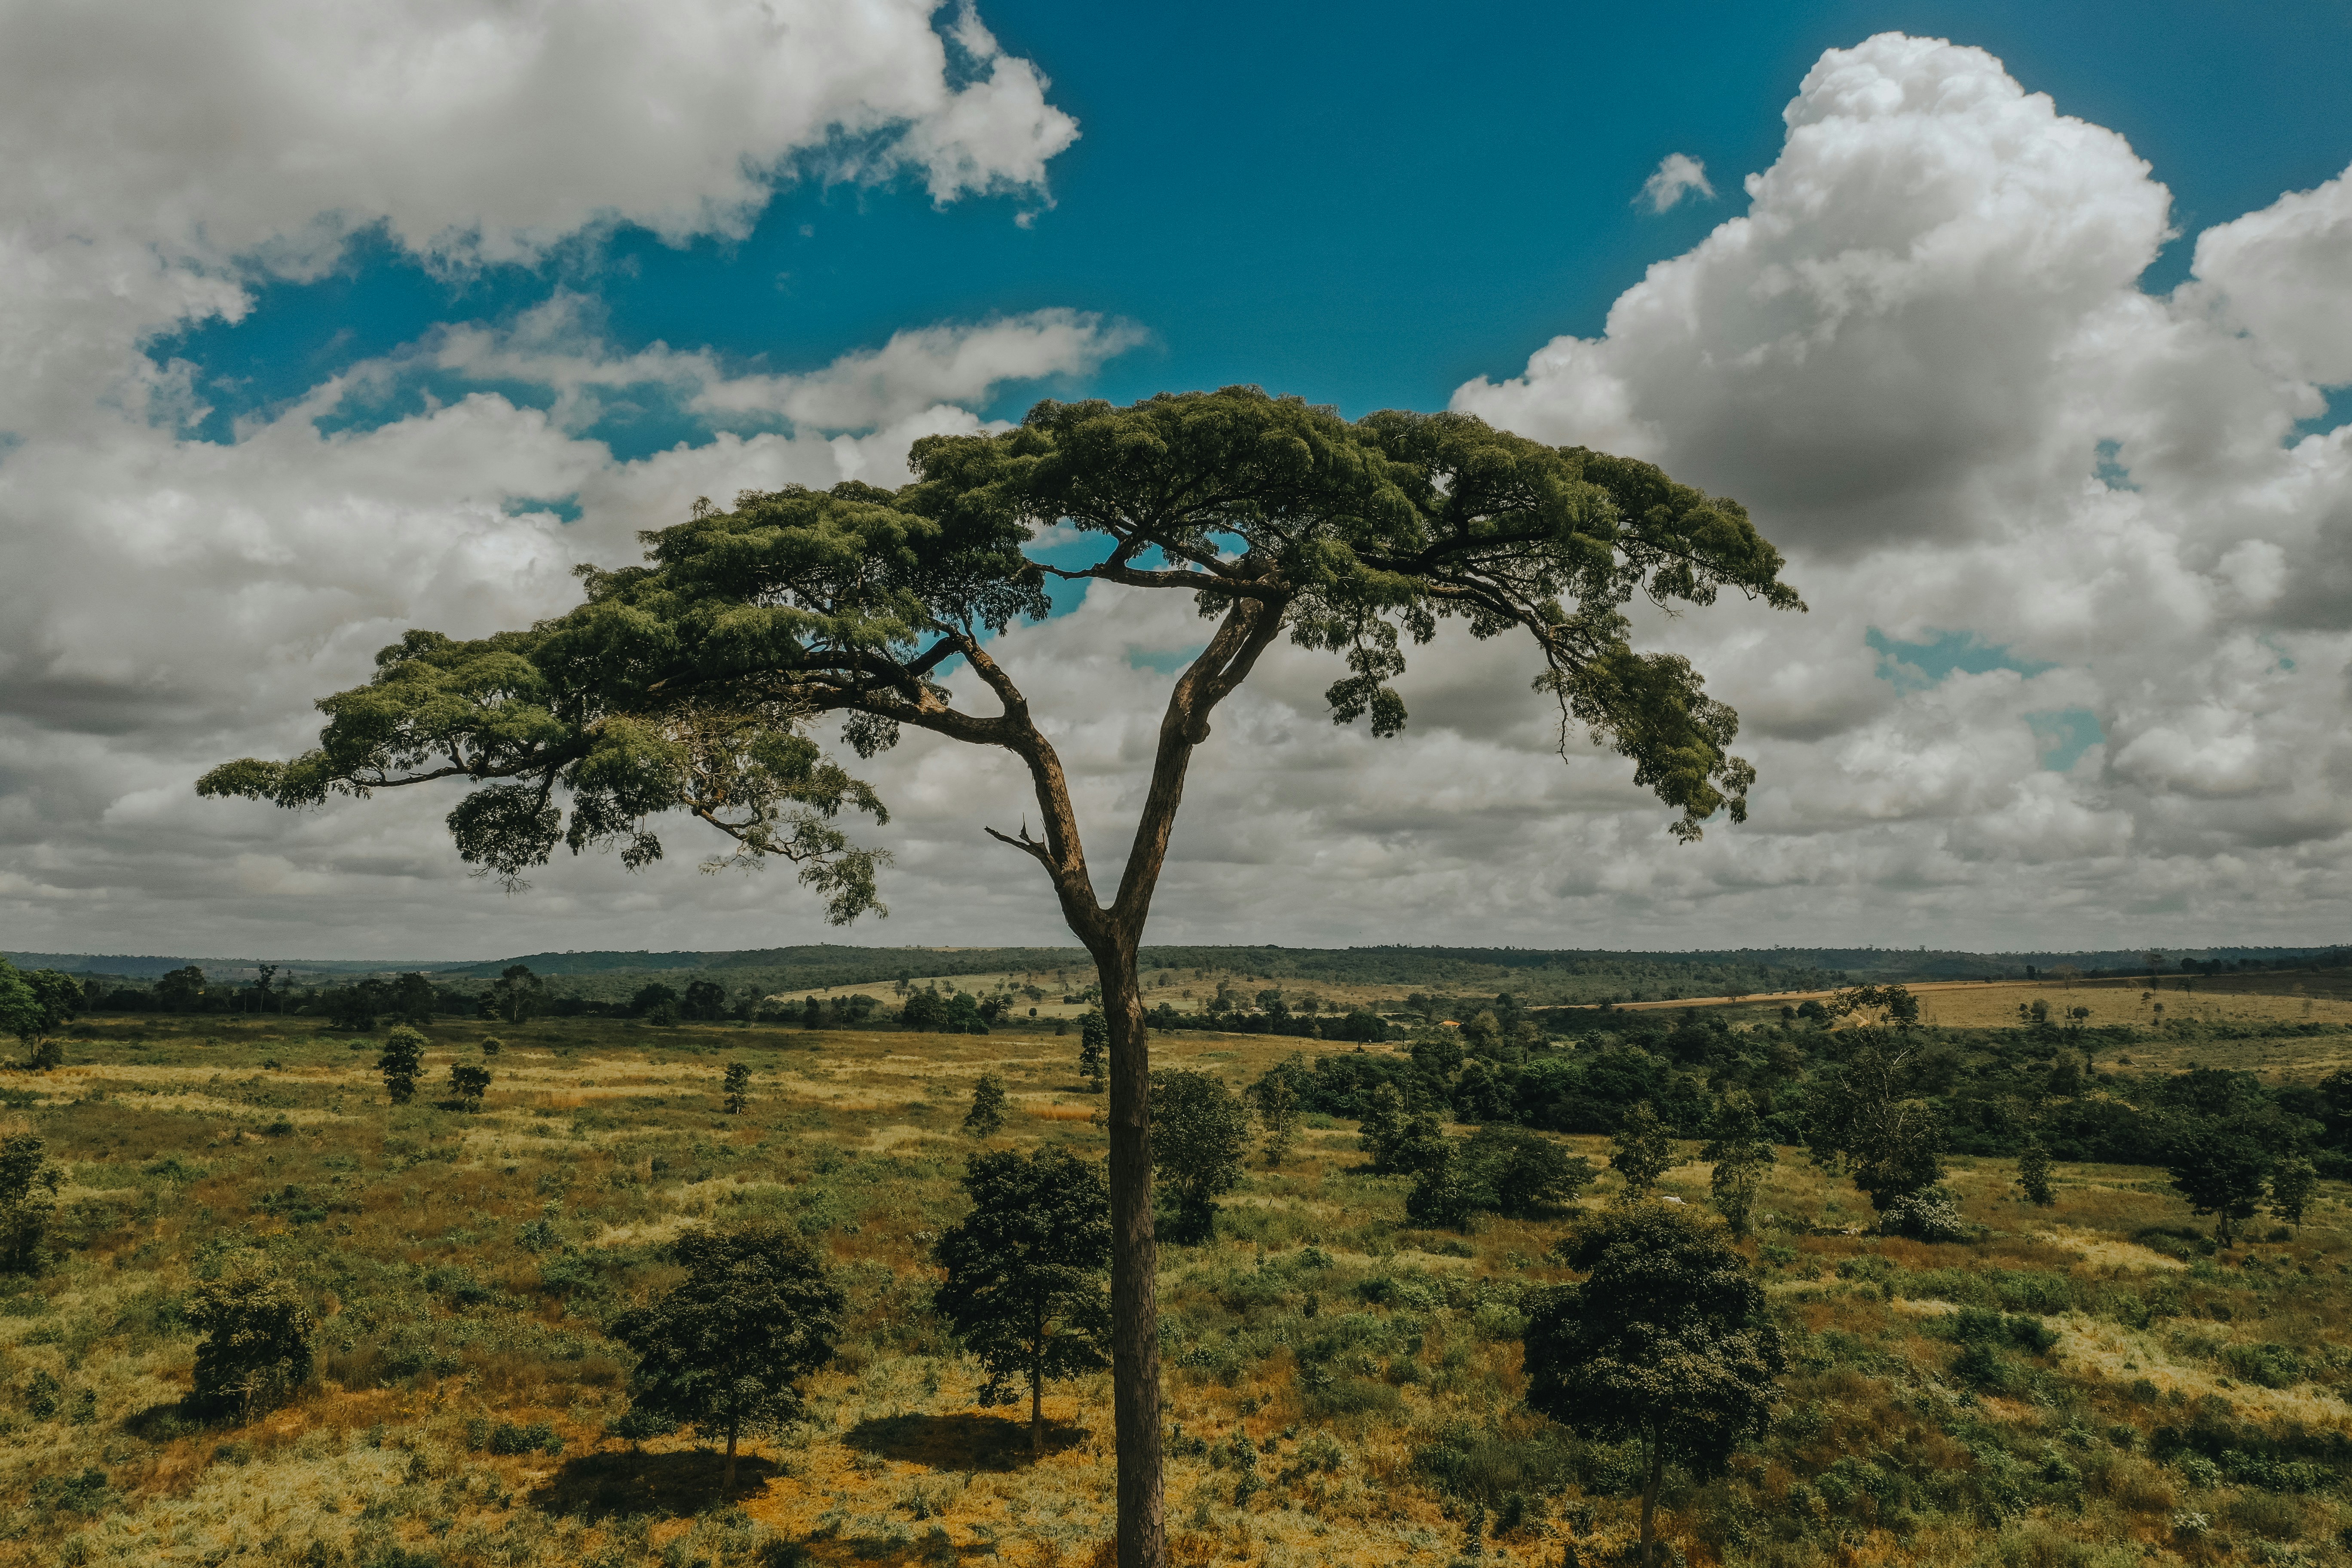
(1134, 1265)
(727, 1487)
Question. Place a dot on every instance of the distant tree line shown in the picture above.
(1981, 1093)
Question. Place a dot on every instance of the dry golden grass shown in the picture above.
(2299, 997)
(613, 1135)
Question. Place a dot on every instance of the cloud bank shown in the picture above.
(2077, 671)
(1922, 357)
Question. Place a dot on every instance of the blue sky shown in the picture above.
(2075, 525)
(1354, 203)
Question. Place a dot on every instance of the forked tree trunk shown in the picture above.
(1112, 936)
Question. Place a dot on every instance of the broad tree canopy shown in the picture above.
(686, 684)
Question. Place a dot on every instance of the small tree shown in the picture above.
(1667, 1342)
(181, 990)
(1399, 1143)
(492, 1044)
(2220, 1168)
(1641, 1152)
(34, 1006)
(1277, 1113)
(467, 1084)
(1741, 1153)
(2293, 1184)
(1519, 1174)
(1443, 1196)
(739, 1087)
(516, 995)
(727, 1348)
(1093, 1048)
(2033, 1173)
(1199, 1131)
(28, 1197)
(257, 1346)
(402, 1061)
(1865, 1120)
(411, 997)
(986, 1117)
(1028, 1273)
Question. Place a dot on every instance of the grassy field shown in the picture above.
(1343, 1388)
(1186, 990)
(2294, 998)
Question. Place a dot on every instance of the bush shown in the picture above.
(1972, 1325)
(538, 1437)
(1981, 1366)
(85, 1493)
(1482, 1466)
(401, 1060)
(1353, 1395)
(28, 1189)
(1521, 1173)
(1926, 1215)
(256, 1347)
(1441, 1196)
(2265, 1366)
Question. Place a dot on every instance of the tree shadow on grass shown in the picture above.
(964, 1442)
(595, 1486)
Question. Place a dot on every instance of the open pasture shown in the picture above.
(2302, 996)
(1343, 1387)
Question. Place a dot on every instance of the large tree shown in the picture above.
(1868, 1118)
(728, 1347)
(1026, 1272)
(1666, 1340)
(691, 683)
(1202, 1134)
(2221, 1166)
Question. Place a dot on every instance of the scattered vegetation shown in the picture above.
(2079, 1383)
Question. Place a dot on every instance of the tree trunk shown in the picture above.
(1650, 1504)
(727, 1487)
(1134, 1265)
(1037, 1400)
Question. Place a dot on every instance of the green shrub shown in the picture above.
(2266, 1366)
(257, 1346)
(539, 1437)
(1974, 1325)
(1485, 1467)
(1353, 1395)
(1979, 1366)
(85, 1493)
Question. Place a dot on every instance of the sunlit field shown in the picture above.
(1343, 1388)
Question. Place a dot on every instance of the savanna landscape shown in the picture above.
(2087, 1380)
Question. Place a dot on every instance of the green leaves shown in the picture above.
(728, 1347)
(1667, 1339)
(1025, 1271)
(689, 683)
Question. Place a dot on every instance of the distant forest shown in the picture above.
(1536, 976)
